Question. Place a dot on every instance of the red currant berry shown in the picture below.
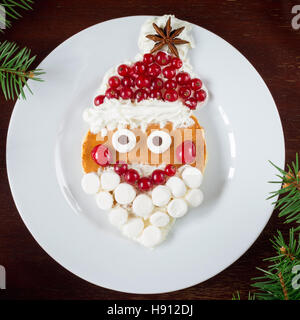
(147, 82)
(114, 82)
(170, 170)
(101, 155)
(140, 95)
(191, 103)
(158, 177)
(157, 83)
(176, 63)
(182, 78)
(186, 152)
(170, 84)
(200, 95)
(148, 58)
(184, 92)
(139, 67)
(162, 58)
(120, 168)
(131, 176)
(155, 94)
(169, 72)
(127, 82)
(132, 73)
(154, 70)
(148, 91)
(99, 100)
(126, 93)
(196, 84)
(143, 82)
(111, 93)
(139, 81)
(171, 95)
(145, 184)
(123, 70)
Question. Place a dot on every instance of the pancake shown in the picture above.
(141, 154)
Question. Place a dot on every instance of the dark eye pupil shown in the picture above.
(123, 139)
(157, 141)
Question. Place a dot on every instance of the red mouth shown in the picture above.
(146, 183)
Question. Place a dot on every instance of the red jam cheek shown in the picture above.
(101, 155)
(186, 152)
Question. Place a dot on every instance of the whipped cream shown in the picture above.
(115, 114)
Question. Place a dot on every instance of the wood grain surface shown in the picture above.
(261, 30)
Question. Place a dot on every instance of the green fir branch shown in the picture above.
(10, 10)
(289, 201)
(15, 70)
(276, 283)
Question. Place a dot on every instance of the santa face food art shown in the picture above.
(144, 155)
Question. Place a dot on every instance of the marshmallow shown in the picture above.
(192, 177)
(151, 236)
(177, 186)
(159, 219)
(133, 227)
(142, 206)
(161, 196)
(104, 200)
(124, 193)
(194, 197)
(118, 216)
(90, 183)
(109, 180)
(177, 208)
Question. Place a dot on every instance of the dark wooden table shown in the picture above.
(261, 30)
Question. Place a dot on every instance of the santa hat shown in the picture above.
(158, 86)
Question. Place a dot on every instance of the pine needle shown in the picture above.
(237, 296)
(15, 70)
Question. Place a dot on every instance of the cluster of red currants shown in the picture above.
(155, 77)
(132, 177)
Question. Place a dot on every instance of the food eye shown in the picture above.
(159, 141)
(123, 140)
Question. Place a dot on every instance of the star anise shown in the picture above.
(166, 36)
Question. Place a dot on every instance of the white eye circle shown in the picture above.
(123, 140)
(159, 141)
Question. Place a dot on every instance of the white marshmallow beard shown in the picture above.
(145, 217)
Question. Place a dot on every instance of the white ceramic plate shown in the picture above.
(243, 132)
